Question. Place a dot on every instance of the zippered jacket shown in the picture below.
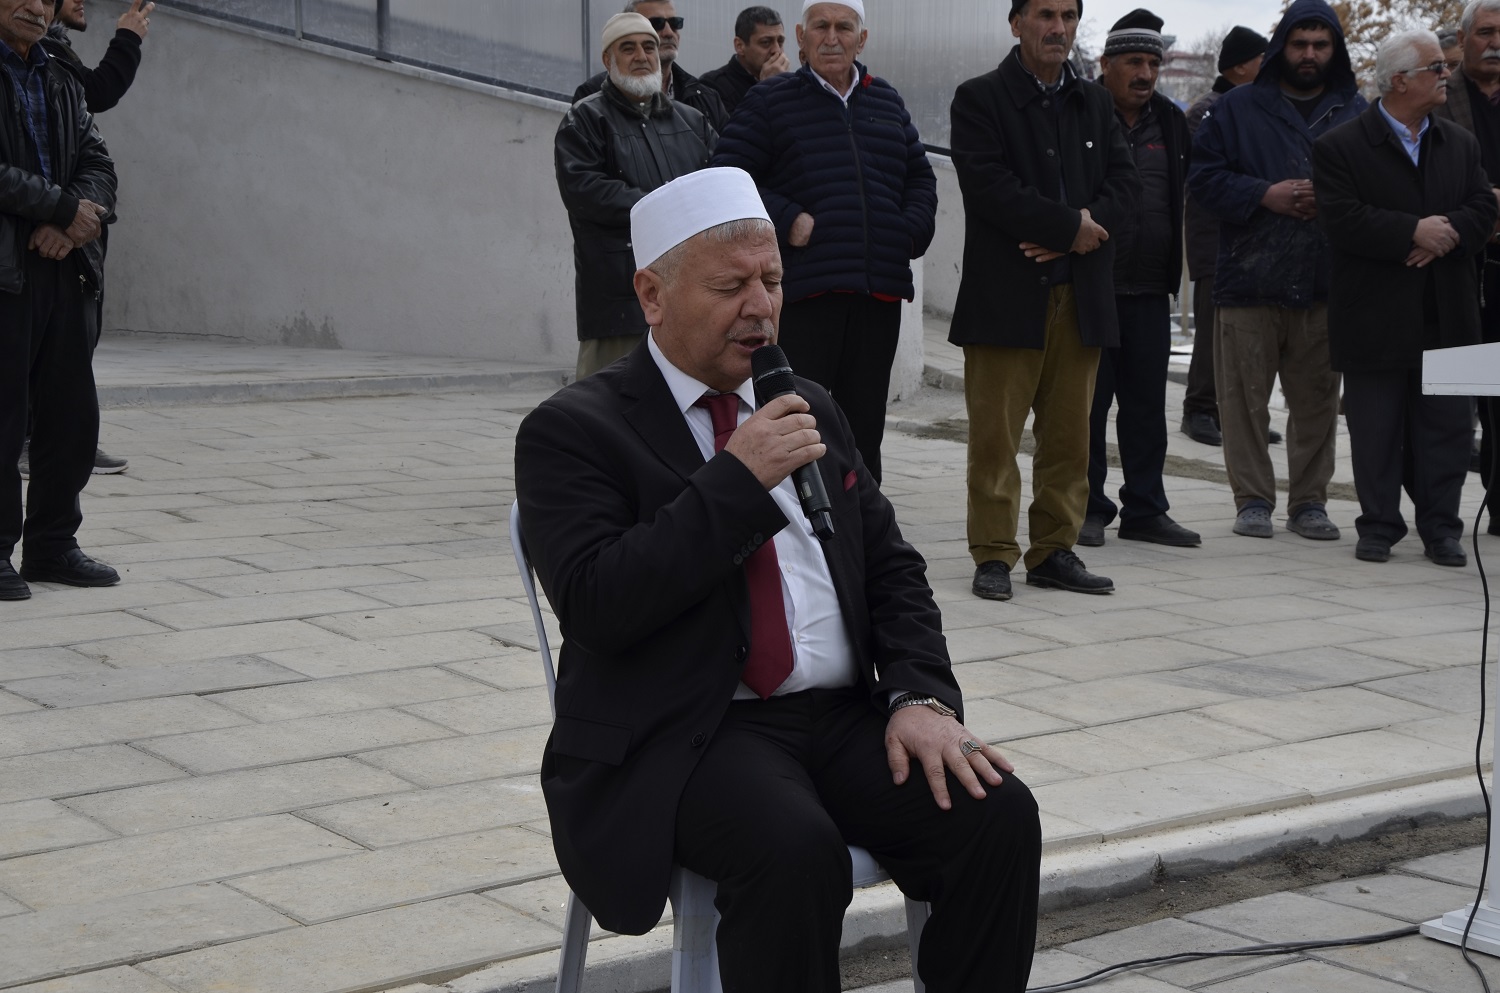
(1253, 138)
(609, 153)
(81, 170)
(860, 170)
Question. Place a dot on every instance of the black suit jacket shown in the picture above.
(1370, 198)
(638, 544)
(1014, 152)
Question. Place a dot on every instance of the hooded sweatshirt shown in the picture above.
(1255, 137)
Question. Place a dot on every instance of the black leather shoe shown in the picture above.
(1373, 548)
(72, 568)
(1202, 429)
(992, 581)
(1494, 526)
(1160, 530)
(12, 587)
(1062, 570)
(1273, 436)
(1092, 532)
(1447, 551)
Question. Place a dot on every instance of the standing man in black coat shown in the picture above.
(57, 190)
(103, 86)
(1148, 269)
(107, 82)
(1239, 61)
(612, 148)
(759, 53)
(1046, 178)
(1407, 207)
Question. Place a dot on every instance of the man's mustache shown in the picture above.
(1491, 55)
(1055, 39)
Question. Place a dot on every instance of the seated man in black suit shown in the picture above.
(733, 695)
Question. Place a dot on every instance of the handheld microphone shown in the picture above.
(773, 378)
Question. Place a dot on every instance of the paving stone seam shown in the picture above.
(338, 388)
(1109, 870)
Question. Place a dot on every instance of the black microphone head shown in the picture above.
(772, 374)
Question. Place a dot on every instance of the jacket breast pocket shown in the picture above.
(595, 741)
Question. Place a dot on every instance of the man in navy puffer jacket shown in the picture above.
(846, 180)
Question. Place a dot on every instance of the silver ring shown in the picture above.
(969, 747)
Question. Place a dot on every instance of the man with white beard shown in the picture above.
(612, 148)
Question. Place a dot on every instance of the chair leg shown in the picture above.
(577, 922)
(695, 922)
(916, 919)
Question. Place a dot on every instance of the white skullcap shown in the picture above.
(688, 205)
(620, 25)
(858, 6)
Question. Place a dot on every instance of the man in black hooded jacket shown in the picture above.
(1252, 168)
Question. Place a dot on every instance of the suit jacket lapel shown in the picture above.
(649, 408)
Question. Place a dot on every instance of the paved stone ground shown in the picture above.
(296, 749)
(1409, 894)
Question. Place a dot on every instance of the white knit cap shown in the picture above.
(688, 205)
(620, 25)
(858, 6)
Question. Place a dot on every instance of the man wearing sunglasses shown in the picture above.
(677, 82)
(1407, 207)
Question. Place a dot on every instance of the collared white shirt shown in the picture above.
(844, 96)
(1411, 142)
(822, 654)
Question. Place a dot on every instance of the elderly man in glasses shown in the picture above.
(1407, 207)
(676, 82)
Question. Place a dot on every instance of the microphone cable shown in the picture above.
(1492, 432)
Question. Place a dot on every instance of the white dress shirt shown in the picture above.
(844, 96)
(822, 654)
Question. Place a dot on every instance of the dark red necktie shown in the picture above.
(770, 660)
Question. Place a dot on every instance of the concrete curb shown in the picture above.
(178, 394)
(1071, 876)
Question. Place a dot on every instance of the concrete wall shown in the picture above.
(280, 192)
(945, 257)
(276, 191)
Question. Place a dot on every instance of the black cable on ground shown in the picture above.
(1270, 948)
(1492, 429)
(1484, 642)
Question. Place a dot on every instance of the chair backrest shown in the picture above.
(528, 583)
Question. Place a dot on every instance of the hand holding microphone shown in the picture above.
(792, 429)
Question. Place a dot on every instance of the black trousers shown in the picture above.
(846, 342)
(1201, 398)
(787, 784)
(46, 348)
(1134, 375)
(1400, 437)
(1489, 407)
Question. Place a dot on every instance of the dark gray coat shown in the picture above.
(1009, 169)
(1370, 198)
(609, 154)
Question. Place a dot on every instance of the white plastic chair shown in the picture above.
(695, 920)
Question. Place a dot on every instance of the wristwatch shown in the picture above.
(918, 700)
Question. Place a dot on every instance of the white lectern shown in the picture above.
(1472, 370)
